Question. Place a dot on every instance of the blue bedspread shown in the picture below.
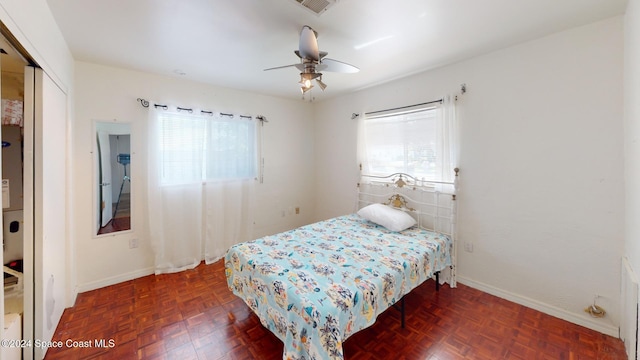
(316, 285)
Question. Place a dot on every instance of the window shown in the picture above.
(200, 148)
(418, 142)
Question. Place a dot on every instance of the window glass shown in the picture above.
(199, 148)
(409, 143)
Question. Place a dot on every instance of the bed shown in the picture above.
(316, 285)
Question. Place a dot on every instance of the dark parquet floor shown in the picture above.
(193, 315)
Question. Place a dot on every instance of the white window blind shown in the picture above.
(206, 148)
(418, 142)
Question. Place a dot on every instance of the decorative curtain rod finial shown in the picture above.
(354, 116)
(143, 102)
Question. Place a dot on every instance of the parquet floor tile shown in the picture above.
(193, 315)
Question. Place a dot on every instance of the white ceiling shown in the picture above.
(228, 43)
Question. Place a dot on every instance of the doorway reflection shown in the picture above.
(113, 142)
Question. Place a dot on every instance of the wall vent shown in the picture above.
(318, 7)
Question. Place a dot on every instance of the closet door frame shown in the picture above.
(29, 210)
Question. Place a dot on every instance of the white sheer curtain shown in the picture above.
(229, 212)
(201, 177)
(420, 141)
(448, 143)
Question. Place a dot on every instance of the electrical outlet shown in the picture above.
(468, 247)
(133, 243)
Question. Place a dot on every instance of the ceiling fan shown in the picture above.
(313, 61)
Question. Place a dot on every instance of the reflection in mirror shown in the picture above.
(113, 177)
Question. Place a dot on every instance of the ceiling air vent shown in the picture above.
(317, 6)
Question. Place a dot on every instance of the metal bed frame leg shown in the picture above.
(437, 274)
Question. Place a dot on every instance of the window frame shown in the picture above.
(202, 154)
(438, 150)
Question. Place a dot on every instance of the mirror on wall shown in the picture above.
(112, 180)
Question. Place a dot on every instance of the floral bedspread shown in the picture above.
(316, 285)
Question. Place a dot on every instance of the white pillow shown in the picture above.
(390, 218)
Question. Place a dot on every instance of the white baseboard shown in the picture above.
(114, 280)
(592, 324)
(629, 319)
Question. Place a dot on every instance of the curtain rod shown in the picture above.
(145, 103)
(404, 107)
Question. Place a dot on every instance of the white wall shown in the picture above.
(107, 93)
(542, 192)
(632, 134)
(33, 25)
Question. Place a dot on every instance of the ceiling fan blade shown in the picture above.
(281, 67)
(313, 61)
(338, 66)
(308, 45)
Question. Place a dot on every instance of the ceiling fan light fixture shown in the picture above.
(304, 89)
(321, 84)
(305, 82)
(313, 62)
(306, 77)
